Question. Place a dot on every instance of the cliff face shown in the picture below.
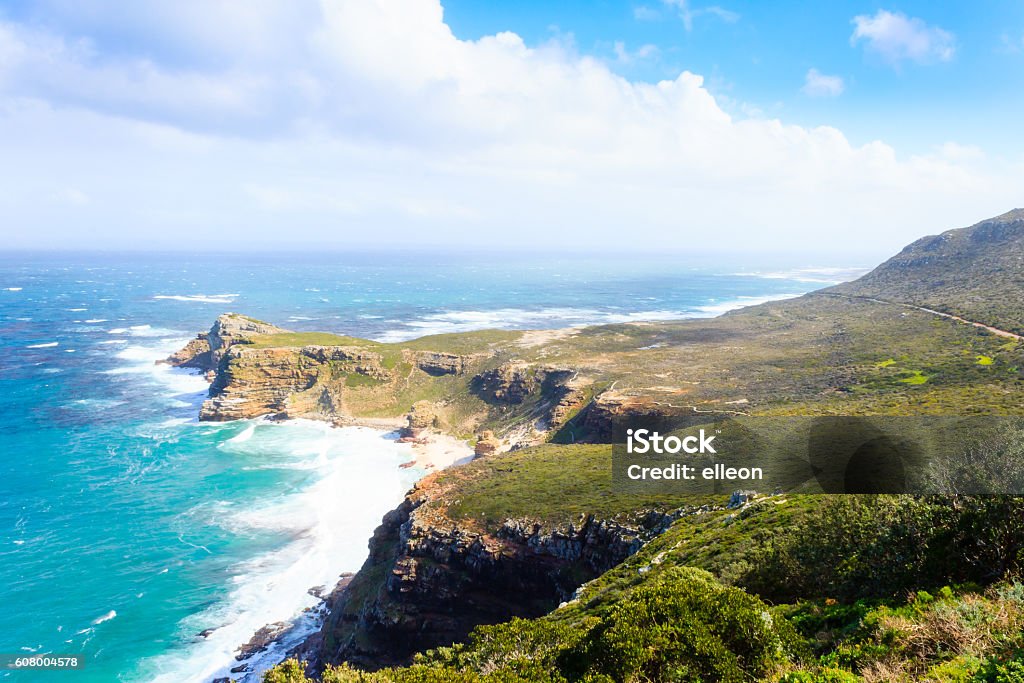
(259, 369)
(206, 351)
(286, 381)
(430, 579)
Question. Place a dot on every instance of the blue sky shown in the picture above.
(757, 58)
(840, 128)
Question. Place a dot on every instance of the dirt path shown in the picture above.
(993, 330)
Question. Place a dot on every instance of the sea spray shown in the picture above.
(353, 479)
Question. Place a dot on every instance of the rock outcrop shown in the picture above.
(557, 392)
(232, 328)
(509, 383)
(429, 580)
(286, 381)
(208, 348)
(196, 354)
(255, 382)
(486, 444)
(437, 363)
(422, 417)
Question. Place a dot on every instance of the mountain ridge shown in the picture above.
(976, 272)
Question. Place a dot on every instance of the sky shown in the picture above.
(842, 128)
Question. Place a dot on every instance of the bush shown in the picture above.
(885, 546)
(683, 626)
(826, 675)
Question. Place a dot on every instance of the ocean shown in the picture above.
(127, 528)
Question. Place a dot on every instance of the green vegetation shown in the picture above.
(299, 339)
(956, 635)
(683, 626)
(463, 342)
(839, 568)
(985, 360)
(886, 363)
(915, 377)
(252, 319)
(553, 484)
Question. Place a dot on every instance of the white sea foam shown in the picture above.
(823, 275)
(13, 289)
(518, 318)
(150, 331)
(200, 298)
(96, 320)
(178, 383)
(77, 310)
(96, 402)
(243, 436)
(328, 521)
(45, 345)
(718, 308)
(106, 617)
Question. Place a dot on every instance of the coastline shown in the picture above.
(431, 450)
(274, 642)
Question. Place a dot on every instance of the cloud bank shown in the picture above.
(345, 122)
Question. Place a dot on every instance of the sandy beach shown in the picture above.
(437, 451)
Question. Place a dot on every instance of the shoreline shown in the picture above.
(273, 643)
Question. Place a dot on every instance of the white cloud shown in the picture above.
(956, 152)
(625, 56)
(689, 13)
(645, 13)
(368, 118)
(817, 84)
(896, 38)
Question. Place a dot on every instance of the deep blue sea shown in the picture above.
(127, 527)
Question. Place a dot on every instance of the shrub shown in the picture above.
(683, 626)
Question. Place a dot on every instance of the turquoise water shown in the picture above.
(127, 528)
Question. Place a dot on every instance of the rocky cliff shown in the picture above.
(258, 369)
(206, 351)
(433, 575)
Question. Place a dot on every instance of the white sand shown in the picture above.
(439, 451)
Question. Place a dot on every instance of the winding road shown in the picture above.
(993, 330)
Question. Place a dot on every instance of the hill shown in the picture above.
(976, 273)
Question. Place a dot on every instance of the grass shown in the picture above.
(886, 363)
(985, 360)
(551, 483)
(299, 339)
(462, 342)
(915, 377)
